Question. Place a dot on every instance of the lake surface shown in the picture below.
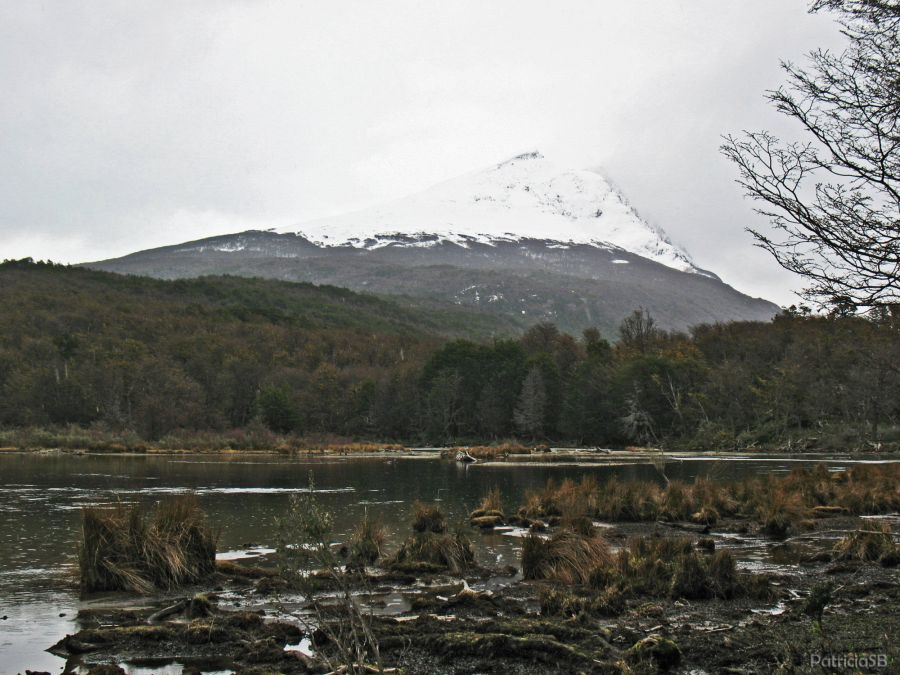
(41, 497)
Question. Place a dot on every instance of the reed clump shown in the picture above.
(627, 501)
(358, 448)
(563, 602)
(777, 503)
(873, 544)
(127, 549)
(565, 557)
(490, 511)
(492, 501)
(869, 489)
(780, 512)
(367, 542)
(429, 552)
(431, 548)
(671, 567)
(427, 518)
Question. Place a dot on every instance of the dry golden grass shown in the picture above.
(490, 510)
(491, 452)
(671, 567)
(345, 448)
(566, 557)
(427, 551)
(875, 543)
(427, 518)
(125, 549)
(777, 502)
(492, 501)
(367, 542)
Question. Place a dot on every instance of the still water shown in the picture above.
(41, 497)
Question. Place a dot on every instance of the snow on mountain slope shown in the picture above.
(526, 197)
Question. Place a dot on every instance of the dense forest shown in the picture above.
(153, 358)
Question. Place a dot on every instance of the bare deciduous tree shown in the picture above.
(834, 198)
(638, 331)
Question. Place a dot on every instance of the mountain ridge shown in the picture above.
(524, 197)
(520, 238)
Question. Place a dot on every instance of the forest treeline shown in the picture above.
(156, 358)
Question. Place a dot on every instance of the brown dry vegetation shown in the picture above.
(348, 448)
(431, 549)
(492, 452)
(875, 543)
(367, 542)
(665, 567)
(489, 512)
(566, 557)
(600, 583)
(124, 548)
(428, 552)
(777, 503)
(427, 518)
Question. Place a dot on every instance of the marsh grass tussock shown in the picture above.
(777, 503)
(489, 512)
(492, 501)
(427, 518)
(431, 548)
(875, 543)
(671, 567)
(566, 557)
(126, 549)
(429, 552)
(367, 542)
(492, 452)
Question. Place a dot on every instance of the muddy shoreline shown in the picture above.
(251, 622)
(535, 458)
(690, 574)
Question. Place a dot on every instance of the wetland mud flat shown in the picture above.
(484, 619)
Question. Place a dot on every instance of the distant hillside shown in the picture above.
(522, 283)
(79, 345)
(91, 357)
(51, 289)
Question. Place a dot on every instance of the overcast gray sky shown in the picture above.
(126, 125)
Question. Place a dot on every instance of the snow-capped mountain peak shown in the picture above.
(525, 197)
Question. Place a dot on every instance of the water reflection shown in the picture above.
(42, 495)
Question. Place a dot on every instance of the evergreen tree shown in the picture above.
(530, 412)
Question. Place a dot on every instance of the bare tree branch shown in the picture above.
(834, 200)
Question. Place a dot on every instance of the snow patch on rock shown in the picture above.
(526, 197)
